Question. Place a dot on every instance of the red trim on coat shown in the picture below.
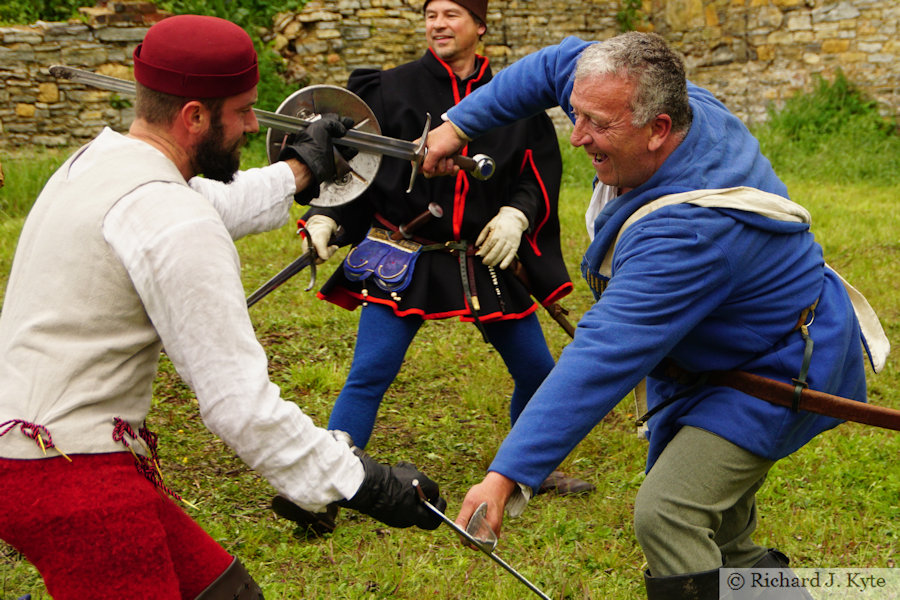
(462, 181)
(460, 191)
(563, 290)
(531, 238)
(350, 300)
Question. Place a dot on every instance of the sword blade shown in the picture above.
(482, 545)
(105, 82)
(361, 140)
(279, 278)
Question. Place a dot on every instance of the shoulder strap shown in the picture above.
(747, 199)
(776, 207)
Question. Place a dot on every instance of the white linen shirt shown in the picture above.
(187, 272)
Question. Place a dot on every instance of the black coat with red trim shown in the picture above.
(527, 177)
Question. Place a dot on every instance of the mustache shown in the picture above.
(241, 142)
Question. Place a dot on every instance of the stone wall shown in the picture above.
(38, 109)
(328, 39)
(754, 52)
(750, 53)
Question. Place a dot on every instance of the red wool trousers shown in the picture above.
(95, 528)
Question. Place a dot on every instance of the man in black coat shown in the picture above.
(462, 268)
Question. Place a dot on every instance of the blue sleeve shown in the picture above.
(535, 83)
(666, 279)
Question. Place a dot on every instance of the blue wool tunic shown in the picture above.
(706, 288)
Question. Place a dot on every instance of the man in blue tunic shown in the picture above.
(699, 262)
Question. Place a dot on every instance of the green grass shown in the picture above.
(26, 172)
(832, 504)
(833, 133)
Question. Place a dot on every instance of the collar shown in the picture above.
(439, 68)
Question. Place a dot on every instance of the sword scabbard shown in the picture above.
(555, 309)
(829, 405)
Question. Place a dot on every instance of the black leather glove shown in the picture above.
(314, 147)
(387, 494)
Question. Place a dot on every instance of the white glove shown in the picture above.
(319, 230)
(500, 238)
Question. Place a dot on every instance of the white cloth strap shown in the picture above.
(776, 207)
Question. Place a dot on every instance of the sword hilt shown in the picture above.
(481, 166)
(405, 231)
(487, 549)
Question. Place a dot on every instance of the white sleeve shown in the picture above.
(186, 270)
(256, 200)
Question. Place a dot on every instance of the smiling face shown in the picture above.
(623, 155)
(452, 32)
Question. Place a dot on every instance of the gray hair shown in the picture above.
(656, 69)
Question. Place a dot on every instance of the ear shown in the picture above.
(660, 129)
(195, 117)
(482, 29)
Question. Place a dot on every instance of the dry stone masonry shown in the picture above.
(37, 109)
(750, 53)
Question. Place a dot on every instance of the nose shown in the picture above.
(251, 123)
(579, 137)
(438, 22)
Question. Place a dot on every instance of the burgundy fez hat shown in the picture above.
(476, 7)
(196, 56)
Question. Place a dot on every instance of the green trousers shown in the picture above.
(696, 510)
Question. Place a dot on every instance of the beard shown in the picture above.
(213, 157)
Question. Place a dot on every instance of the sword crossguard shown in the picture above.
(480, 166)
(313, 256)
(419, 154)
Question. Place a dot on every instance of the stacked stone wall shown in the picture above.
(756, 53)
(750, 53)
(36, 108)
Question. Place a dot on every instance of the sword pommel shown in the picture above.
(60, 72)
(481, 166)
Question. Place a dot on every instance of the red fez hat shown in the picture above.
(196, 57)
(476, 7)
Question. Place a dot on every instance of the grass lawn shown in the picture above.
(832, 504)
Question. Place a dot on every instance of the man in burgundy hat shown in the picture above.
(487, 223)
(126, 252)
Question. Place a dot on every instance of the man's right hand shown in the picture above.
(495, 489)
(314, 148)
(443, 143)
(387, 494)
(321, 230)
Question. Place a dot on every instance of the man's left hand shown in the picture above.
(499, 241)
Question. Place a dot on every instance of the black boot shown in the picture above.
(693, 586)
(235, 583)
(563, 485)
(773, 559)
(309, 524)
